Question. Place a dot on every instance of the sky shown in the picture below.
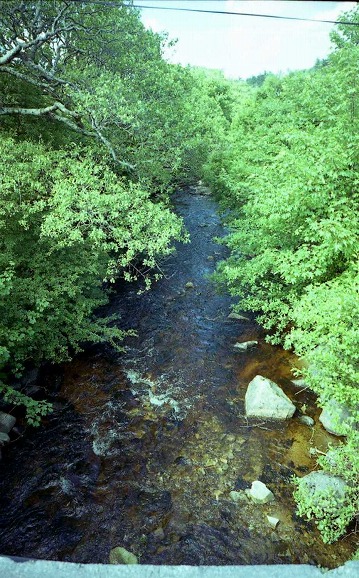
(243, 46)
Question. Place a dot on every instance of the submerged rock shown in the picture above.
(237, 317)
(259, 493)
(237, 496)
(245, 345)
(159, 534)
(335, 418)
(264, 398)
(120, 555)
(189, 285)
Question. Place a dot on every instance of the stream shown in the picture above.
(144, 447)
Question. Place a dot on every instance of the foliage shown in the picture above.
(67, 225)
(287, 178)
(331, 514)
(92, 73)
(96, 128)
(35, 410)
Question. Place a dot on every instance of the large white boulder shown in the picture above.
(264, 398)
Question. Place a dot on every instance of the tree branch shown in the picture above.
(26, 78)
(27, 111)
(51, 112)
(10, 54)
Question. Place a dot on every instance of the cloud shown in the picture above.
(152, 23)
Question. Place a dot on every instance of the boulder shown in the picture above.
(4, 438)
(120, 555)
(7, 422)
(264, 398)
(245, 345)
(319, 485)
(259, 493)
(335, 418)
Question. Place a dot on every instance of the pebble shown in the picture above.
(307, 420)
(159, 533)
(273, 522)
(237, 496)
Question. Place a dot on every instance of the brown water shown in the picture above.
(144, 448)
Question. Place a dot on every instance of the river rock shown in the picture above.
(245, 345)
(7, 422)
(237, 317)
(201, 189)
(264, 398)
(259, 493)
(319, 484)
(237, 496)
(307, 420)
(335, 417)
(273, 522)
(301, 383)
(159, 533)
(4, 438)
(120, 555)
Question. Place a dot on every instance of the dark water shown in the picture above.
(144, 447)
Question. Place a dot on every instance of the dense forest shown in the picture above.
(97, 131)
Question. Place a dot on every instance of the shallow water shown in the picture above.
(144, 447)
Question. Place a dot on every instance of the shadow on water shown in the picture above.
(144, 448)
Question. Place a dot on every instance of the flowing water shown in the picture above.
(144, 447)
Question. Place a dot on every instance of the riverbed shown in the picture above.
(144, 447)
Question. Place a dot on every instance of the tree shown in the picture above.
(289, 183)
(74, 214)
(59, 48)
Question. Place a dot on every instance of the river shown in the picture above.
(144, 447)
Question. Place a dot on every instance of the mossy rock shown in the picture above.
(120, 555)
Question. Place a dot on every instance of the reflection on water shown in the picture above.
(144, 448)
